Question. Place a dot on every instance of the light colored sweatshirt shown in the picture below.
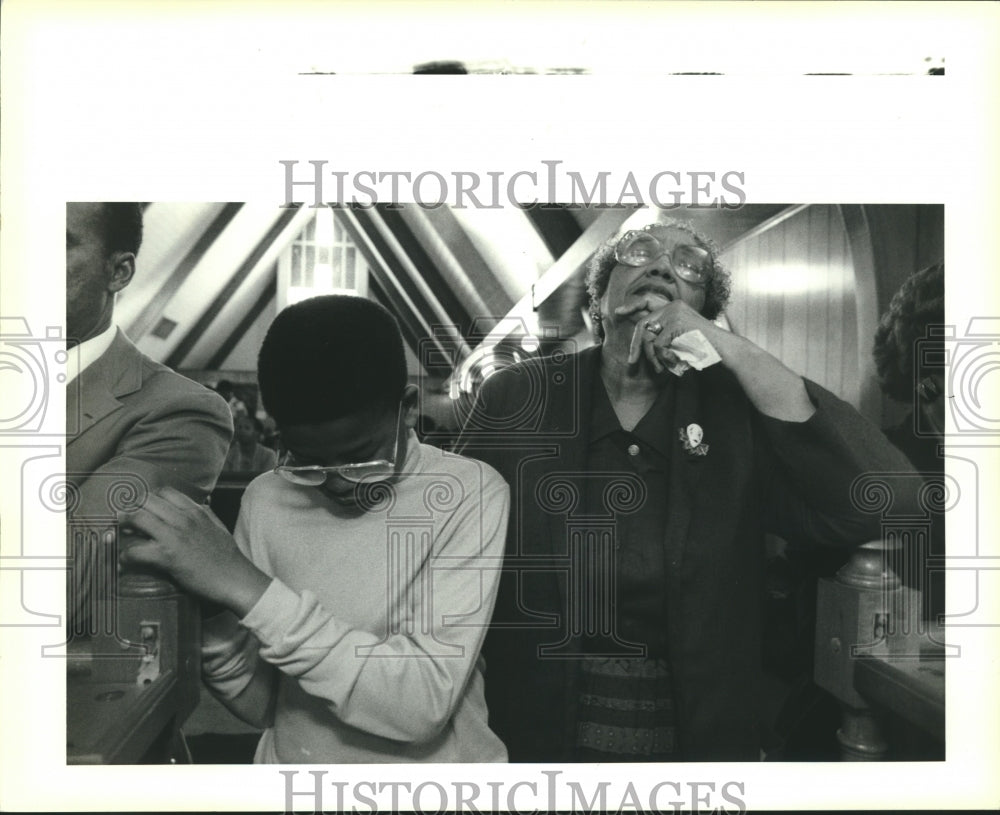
(374, 619)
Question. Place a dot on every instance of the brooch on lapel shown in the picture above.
(691, 440)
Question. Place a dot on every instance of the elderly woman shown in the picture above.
(628, 624)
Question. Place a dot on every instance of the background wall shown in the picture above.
(810, 284)
(794, 295)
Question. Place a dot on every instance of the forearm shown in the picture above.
(255, 703)
(824, 465)
(192, 547)
(233, 671)
(242, 588)
(402, 687)
(774, 389)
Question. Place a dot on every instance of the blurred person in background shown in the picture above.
(246, 453)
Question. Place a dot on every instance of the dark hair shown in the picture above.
(603, 261)
(917, 305)
(328, 357)
(122, 227)
(258, 425)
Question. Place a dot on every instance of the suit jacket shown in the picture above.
(134, 425)
(760, 474)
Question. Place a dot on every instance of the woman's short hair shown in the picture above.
(329, 357)
(603, 261)
(918, 304)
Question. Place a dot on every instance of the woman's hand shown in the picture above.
(662, 324)
(187, 542)
(774, 389)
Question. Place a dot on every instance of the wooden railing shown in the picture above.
(883, 663)
(131, 684)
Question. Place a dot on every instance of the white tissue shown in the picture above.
(694, 351)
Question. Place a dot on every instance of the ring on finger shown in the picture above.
(653, 326)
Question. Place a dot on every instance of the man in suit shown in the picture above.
(132, 424)
(628, 621)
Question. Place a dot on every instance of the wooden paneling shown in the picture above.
(905, 238)
(794, 295)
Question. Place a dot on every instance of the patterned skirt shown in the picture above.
(626, 711)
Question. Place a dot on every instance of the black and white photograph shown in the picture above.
(474, 423)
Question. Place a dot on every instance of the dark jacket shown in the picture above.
(760, 474)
